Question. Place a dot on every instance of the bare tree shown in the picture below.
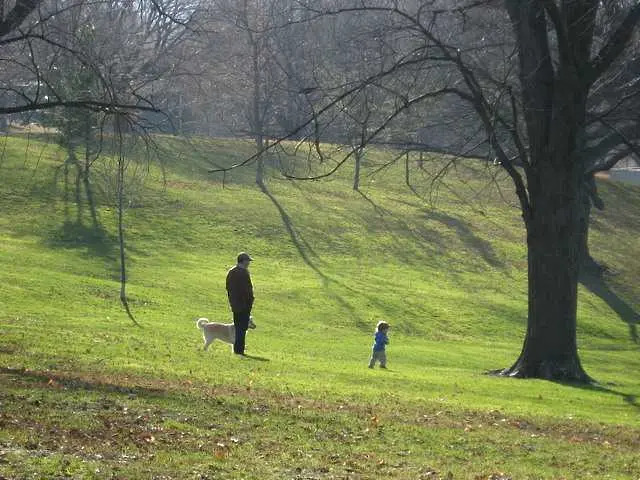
(533, 108)
(90, 58)
(242, 54)
(32, 35)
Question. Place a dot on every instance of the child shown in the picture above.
(381, 340)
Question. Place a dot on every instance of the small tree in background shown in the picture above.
(87, 63)
(77, 128)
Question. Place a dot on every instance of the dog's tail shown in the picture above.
(201, 323)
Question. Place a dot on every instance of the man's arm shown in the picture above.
(250, 297)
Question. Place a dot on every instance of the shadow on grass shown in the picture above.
(594, 281)
(68, 382)
(377, 208)
(630, 399)
(95, 238)
(305, 251)
(593, 386)
(414, 237)
(257, 358)
(433, 236)
(303, 247)
(412, 241)
(468, 238)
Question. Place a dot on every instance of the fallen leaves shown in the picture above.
(221, 451)
(146, 437)
(431, 474)
(349, 439)
(375, 421)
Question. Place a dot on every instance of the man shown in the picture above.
(240, 293)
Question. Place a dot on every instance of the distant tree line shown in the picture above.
(264, 69)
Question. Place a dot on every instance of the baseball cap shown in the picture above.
(242, 256)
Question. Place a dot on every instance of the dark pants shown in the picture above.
(241, 322)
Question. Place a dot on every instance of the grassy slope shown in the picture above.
(448, 273)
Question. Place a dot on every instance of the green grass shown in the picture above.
(86, 394)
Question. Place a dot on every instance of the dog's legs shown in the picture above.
(207, 343)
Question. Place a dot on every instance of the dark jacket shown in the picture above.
(239, 289)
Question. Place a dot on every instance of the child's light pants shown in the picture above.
(379, 356)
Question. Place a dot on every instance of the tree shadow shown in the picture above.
(77, 234)
(257, 358)
(305, 250)
(377, 208)
(468, 237)
(70, 382)
(76, 231)
(628, 398)
(594, 281)
(435, 238)
(302, 246)
(590, 385)
(427, 239)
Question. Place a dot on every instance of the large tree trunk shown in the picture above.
(556, 232)
(554, 237)
(554, 101)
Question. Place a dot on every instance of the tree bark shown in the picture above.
(356, 173)
(555, 98)
(260, 161)
(554, 235)
(78, 188)
(121, 206)
(256, 120)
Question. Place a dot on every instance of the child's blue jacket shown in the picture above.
(380, 341)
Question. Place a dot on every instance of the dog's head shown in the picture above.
(251, 324)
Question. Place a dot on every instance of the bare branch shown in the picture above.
(618, 41)
(20, 11)
(560, 26)
(163, 12)
(107, 107)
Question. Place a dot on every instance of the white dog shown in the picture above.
(222, 331)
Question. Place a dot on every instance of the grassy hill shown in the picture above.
(86, 394)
